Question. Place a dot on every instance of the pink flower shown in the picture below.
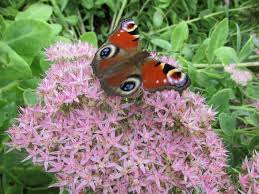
(151, 142)
(66, 51)
(249, 175)
(241, 77)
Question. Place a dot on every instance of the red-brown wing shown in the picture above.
(124, 78)
(121, 44)
(122, 81)
(126, 36)
(159, 76)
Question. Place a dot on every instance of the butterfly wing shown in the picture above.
(124, 77)
(159, 76)
(116, 62)
(126, 36)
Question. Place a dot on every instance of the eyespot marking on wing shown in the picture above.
(130, 85)
(107, 51)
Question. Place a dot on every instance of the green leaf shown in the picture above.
(63, 4)
(199, 55)
(12, 159)
(28, 37)
(44, 64)
(88, 4)
(239, 38)
(30, 83)
(220, 100)
(27, 176)
(45, 191)
(211, 4)
(247, 49)
(89, 37)
(161, 43)
(2, 117)
(2, 26)
(164, 3)
(253, 119)
(218, 38)
(30, 97)
(252, 92)
(9, 111)
(12, 66)
(226, 55)
(179, 35)
(56, 29)
(158, 18)
(255, 41)
(17, 189)
(72, 20)
(227, 123)
(36, 11)
(109, 3)
(254, 143)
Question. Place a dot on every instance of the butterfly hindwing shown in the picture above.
(124, 77)
(159, 76)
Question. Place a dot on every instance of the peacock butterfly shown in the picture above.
(123, 67)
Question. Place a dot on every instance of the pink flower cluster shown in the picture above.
(249, 176)
(148, 143)
(241, 77)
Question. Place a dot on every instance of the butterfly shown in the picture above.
(122, 67)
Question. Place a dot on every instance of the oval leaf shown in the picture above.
(247, 49)
(89, 37)
(158, 18)
(220, 100)
(36, 11)
(29, 97)
(227, 123)
(218, 38)
(179, 35)
(226, 55)
(12, 66)
(161, 43)
(199, 55)
(252, 92)
(28, 37)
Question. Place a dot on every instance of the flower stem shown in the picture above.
(200, 18)
(113, 21)
(124, 3)
(250, 64)
(59, 14)
(143, 7)
(81, 22)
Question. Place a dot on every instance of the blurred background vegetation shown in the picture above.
(203, 35)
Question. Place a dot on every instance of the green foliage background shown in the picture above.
(204, 35)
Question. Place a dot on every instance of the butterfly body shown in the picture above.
(123, 67)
